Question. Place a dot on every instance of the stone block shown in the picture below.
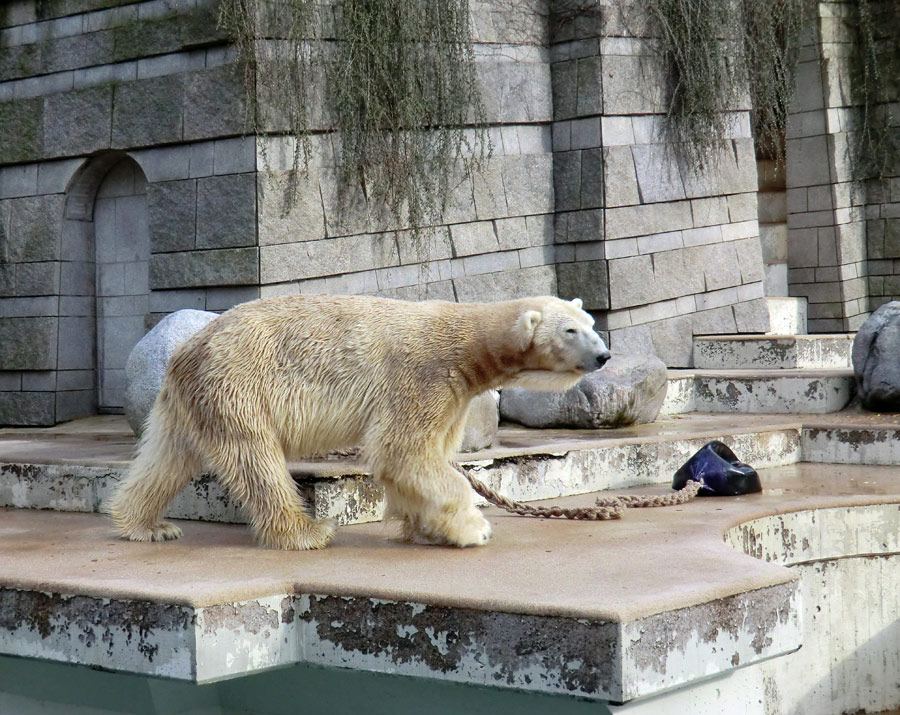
(27, 408)
(77, 341)
(35, 228)
(28, 343)
(564, 79)
(172, 215)
(147, 112)
(675, 273)
(77, 278)
(73, 404)
(34, 279)
(752, 316)
(20, 60)
(506, 285)
(328, 257)
(227, 266)
(166, 163)
(7, 280)
(590, 86)
(627, 221)
(742, 207)
(620, 177)
(586, 133)
(289, 213)
(488, 192)
(513, 233)
(491, 262)
(473, 238)
(712, 211)
(226, 211)
(633, 85)
(20, 180)
(658, 176)
(592, 161)
(528, 182)
(808, 162)
(617, 131)
(21, 130)
(631, 281)
(424, 245)
(214, 104)
(567, 180)
(91, 132)
(587, 280)
(671, 341)
(714, 321)
(54, 176)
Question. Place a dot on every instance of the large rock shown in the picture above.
(146, 364)
(628, 390)
(876, 359)
(481, 422)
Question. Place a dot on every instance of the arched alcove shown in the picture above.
(105, 256)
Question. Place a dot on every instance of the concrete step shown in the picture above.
(525, 465)
(773, 352)
(772, 206)
(780, 391)
(787, 316)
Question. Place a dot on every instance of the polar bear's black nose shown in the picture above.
(602, 359)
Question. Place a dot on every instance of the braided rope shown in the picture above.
(605, 509)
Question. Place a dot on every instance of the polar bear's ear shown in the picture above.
(577, 303)
(525, 327)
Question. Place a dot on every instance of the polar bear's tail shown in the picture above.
(163, 466)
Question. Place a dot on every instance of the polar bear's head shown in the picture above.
(563, 344)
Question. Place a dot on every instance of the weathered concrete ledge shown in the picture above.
(78, 471)
(604, 610)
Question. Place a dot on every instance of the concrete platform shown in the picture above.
(589, 609)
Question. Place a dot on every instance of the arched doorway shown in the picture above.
(122, 255)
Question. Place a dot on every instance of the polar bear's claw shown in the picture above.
(307, 536)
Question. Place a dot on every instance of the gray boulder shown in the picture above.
(876, 359)
(481, 422)
(628, 390)
(146, 364)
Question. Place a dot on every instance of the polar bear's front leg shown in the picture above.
(434, 504)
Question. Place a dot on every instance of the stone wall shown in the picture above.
(665, 253)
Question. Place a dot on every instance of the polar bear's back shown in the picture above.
(315, 369)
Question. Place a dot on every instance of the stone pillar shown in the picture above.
(826, 219)
(659, 252)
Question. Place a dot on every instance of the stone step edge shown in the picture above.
(685, 386)
(353, 497)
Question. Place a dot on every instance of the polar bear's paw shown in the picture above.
(163, 531)
(307, 535)
(469, 529)
(463, 528)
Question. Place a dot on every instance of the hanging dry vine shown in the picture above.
(396, 78)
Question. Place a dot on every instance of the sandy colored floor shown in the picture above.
(650, 561)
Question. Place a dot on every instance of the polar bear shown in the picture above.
(278, 378)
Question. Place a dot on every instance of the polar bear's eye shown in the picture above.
(572, 331)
